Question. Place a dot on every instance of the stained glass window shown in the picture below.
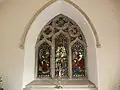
(60, 41)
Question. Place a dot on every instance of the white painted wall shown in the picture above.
(1, 1)
(15, 15)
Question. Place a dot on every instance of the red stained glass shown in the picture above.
(78, 60)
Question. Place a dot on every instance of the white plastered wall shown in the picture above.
(58, 7)
(105, 16)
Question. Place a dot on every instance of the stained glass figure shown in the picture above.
(61, 55)
(44, 60)
(78, 57)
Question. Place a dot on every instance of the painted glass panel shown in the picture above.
(61, 55)
(78, 60)
(44, 60)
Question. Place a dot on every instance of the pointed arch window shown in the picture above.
(61, 47)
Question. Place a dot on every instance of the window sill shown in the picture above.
(65, 83)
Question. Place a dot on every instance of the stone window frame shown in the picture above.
(52, 44)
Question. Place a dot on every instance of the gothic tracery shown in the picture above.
(61, 32)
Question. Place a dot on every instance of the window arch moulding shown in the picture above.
(51, 10)
(22, 42)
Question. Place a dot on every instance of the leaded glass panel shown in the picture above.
(61, 55)
(78, 60)
(44, 52)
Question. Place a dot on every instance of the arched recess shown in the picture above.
(52, 9)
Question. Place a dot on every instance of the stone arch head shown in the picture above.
(23, 38)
